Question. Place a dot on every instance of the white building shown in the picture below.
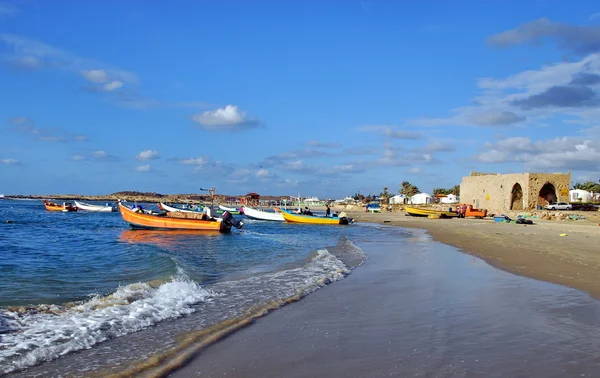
(579, 195)
(450, 198)
(398, 199)
(421, 199)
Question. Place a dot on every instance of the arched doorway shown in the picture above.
(516, 197)
(547, 195)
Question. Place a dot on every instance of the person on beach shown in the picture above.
(327, 212)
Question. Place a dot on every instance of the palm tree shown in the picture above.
(408, 189)
(578, 185)
(455, 190)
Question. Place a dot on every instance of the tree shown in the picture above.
(591, 186)
(408, 189)
(385, 195)
(455, 190)
(438, 191)
(578, 185)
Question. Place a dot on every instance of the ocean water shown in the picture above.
(86, 281)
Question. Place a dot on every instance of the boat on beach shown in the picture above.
(65, 207)
(422, 212)
(95, 208)
(262, 215)
(139, 219)
(342, 219)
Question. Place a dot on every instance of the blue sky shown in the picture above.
(322, 98)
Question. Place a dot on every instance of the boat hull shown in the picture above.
(155, 222)
(262, 215)
(310, 219)
(51, 206)
(95, 208)
(418, 212)
(175, 209)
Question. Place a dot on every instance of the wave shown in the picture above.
(48, 332)
(42, 334)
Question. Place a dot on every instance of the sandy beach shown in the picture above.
(536, 251)
(424, 309)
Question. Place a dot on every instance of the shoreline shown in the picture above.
(535, 251)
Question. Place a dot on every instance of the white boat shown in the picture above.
(171, 209)
(262, 215)
(230, 209)
(97, 208)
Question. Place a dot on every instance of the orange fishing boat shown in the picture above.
(65, 207)
(139, 219)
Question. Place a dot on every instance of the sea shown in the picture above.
(78, 280)
(83, 295)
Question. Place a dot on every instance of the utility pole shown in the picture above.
(212, 192)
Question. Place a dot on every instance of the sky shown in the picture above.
(310, 98)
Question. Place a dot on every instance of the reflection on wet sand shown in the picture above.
(162, 238)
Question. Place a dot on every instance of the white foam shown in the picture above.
(45, 336)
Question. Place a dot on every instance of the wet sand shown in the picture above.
(536, 251)
(423, 309)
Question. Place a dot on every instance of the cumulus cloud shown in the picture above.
(143, 168)
(578, 39)
(262, 173)
(568, 153)
(9, 161)
(77, 158)
(415, 170)
(228, 118)
(95, 76)
(147, 155)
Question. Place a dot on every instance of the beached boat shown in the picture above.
(139, 219)
(168, 208)
(421, 212)
(65, 207)
(312, 219)
(95, 208)
(262, 215)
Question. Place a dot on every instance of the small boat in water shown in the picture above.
(262, 215)
(65, 207)
(342, 219)
(169, 208)
(96, 208)
(231, 210)
(421, 212)
(177, 220)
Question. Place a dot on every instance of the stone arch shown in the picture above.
(516, 197)
(547, 194)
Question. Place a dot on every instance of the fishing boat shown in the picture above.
(139, 219)
(421, 212)
(168, 208)
(342, 219)
(262, 215)
(65, 207)
(95, 208)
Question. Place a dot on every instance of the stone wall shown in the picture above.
(517, 191)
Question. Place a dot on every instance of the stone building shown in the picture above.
(516, 191)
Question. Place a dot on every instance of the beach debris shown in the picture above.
(562, 235)
(8, 221)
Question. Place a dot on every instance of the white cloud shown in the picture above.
(143, 168)
(415, 170)
(115, 84)
(99, 154)
(567, 153)
(147, 155)
(227, 118)
(194, 161)
(95, 76)
(263, 173)
(319, 144)
(9, 161)
(77, 158)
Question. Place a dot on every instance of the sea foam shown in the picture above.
(38, 337)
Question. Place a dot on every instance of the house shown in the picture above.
(579, 195)
(398, 199)
(450, 198)
(421, 199)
